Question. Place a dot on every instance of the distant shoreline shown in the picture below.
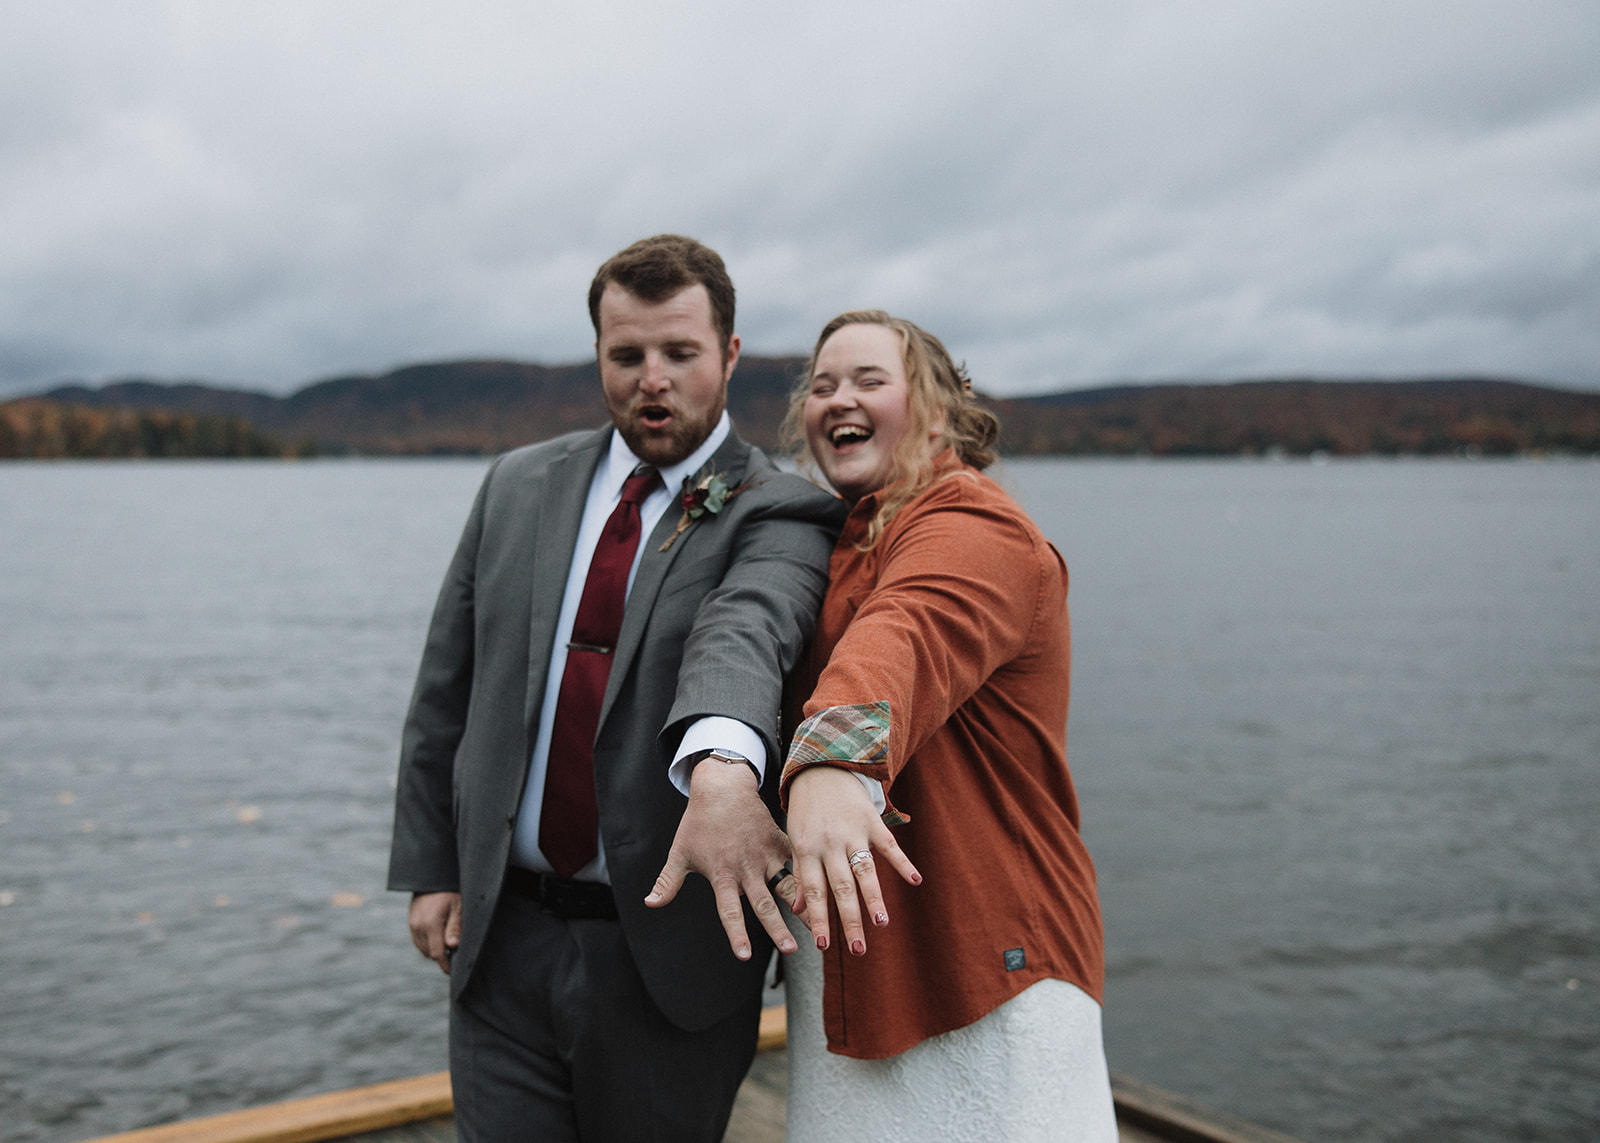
(480, 408)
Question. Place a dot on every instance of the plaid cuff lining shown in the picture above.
(855, 733)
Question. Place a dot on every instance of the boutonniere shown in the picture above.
(705, 496)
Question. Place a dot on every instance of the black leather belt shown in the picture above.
(573, 900)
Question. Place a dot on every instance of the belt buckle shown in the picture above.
(556, 897)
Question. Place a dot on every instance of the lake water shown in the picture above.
(1336, 729)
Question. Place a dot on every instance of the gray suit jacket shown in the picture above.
(711, 627)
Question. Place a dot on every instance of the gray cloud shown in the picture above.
(1068, 194)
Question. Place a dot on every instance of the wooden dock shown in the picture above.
(418, 1110)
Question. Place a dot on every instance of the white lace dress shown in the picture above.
(1031, 1071)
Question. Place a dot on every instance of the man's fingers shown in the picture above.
(732, 915)
(420, 932)
(771, 918)
(786, 888)
(668, 881)
(435, 923)
(437, 945)
(727, 836)
(449, 936)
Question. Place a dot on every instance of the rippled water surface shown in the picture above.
(1336, 729)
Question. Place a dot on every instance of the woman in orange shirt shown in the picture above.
(957, 996)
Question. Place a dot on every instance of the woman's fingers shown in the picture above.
(864, 893)
(851, 879)
(842, 880)
(866, 874)
(814, 895)
(883, 841)
(839, 839)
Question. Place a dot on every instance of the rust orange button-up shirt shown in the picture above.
(941, 665)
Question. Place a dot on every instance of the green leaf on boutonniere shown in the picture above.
(704, 496)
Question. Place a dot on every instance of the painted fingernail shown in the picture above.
(858, 947)
(822, 944)
(880, 919)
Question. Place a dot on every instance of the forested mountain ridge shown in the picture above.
(483, 407)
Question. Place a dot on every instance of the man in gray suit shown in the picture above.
(534, 806)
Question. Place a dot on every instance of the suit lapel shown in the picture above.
(731, 459)
(557, 516)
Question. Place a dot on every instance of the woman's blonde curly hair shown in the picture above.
(937, 385)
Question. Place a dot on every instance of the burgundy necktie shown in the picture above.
(568, 820)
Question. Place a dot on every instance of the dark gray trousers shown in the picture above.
(556, 1041)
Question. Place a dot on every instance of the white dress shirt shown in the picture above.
(605, 491)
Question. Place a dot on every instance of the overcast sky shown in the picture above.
(264, 194)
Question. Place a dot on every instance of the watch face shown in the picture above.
(732, 758)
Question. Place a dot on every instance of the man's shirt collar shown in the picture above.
(620, 461)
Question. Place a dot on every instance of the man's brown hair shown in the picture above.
(654, 269)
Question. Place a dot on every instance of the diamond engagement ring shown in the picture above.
(859, 856)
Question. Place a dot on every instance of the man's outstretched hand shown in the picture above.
(728, 837)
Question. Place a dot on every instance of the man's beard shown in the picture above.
(666, 446)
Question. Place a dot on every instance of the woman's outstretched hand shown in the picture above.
(837, 838)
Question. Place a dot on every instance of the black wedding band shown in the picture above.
(777, 878)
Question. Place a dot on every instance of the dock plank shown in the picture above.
(334, 1115)
(429, 1131)
(418, 1110)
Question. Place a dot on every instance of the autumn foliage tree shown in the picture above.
(33, 429)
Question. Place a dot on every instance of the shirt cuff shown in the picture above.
(716, 732)
(874, 791)
(853, 737)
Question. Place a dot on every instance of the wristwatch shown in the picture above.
(731, 757)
